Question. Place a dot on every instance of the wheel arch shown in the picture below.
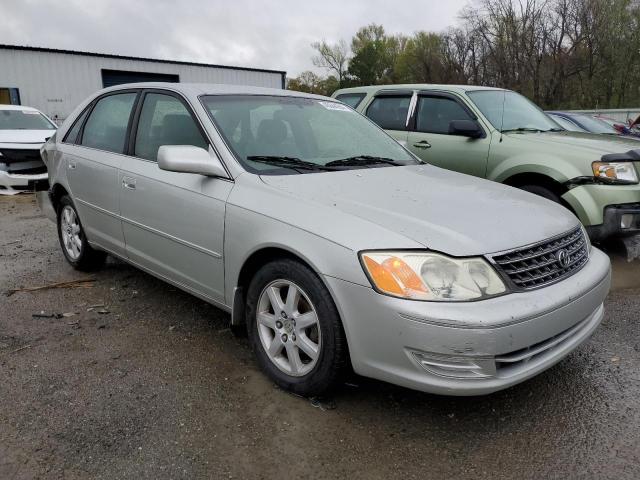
(534, 178)
(254, 261)
(56, 192)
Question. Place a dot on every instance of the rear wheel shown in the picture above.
(75, 247)
(294, 328)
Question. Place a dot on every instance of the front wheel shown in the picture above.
(542, 192)
(75, 247)
(294, 328)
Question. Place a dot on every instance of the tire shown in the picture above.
(294, 333)
(73, 241)
(542, 192)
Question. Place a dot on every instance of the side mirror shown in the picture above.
(465, 128)
(189, 159)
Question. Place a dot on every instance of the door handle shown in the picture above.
(71, 165)
(128, 182)
(422, 144)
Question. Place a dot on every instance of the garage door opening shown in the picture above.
(118, 77)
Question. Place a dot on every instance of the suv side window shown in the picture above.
(106, 127)
(351, 99)
(390, 112)
(435, 113)
(165, 120)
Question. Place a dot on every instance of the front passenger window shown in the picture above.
(435, 114)
(164, 120)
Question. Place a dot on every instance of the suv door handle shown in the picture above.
(422, 144)
(128, 182)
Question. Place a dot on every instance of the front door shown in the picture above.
(173, 222)
(430, 140)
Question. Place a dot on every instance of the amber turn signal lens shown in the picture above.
(382, 278)
(403, 272)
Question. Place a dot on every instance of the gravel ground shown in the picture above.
(154, 385)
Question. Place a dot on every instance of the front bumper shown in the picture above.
(598, 206)
(12, 183)
(617, 220)
(471, 348)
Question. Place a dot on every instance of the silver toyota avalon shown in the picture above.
(326, 240)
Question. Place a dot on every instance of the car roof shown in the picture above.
(416, 86)
(198, 89)
(18, 107)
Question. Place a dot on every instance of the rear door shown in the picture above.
(390, 110)
(93, 150)
(430, 140)
(173, 222)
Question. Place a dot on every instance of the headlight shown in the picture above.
(615, 172)
(431, 276)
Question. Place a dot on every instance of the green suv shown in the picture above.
(500, 135)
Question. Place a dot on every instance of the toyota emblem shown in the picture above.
(563, 258)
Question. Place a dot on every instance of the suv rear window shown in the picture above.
(351, 99)
(390, 112)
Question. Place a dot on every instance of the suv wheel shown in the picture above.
(294, 328)
(73, 241)
(542, 192)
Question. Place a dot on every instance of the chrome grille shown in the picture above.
(544, 263)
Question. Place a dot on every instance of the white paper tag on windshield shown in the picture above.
(335, 106)
(30, 112)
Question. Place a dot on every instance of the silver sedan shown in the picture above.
(327, 241)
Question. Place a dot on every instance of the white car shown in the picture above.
(23, 130)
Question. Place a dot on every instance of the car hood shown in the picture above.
(439, 209)
(25, 136)
(589, 142)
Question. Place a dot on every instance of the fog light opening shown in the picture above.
(626, 221)
(456, 367)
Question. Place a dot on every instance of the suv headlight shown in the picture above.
(615, 172)
(431, 276)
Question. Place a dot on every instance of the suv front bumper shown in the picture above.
(617, 220)
(12, 183)
(471, 348)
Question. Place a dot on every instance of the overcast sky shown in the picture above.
(267, 34)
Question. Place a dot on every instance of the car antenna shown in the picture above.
(504, 98)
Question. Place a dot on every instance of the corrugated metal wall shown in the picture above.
(56, 83)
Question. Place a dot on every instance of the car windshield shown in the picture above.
(24, 120)
(282, 135)
(595, 125)
(566, 124)
(510, 111)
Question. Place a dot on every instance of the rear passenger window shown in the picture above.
(351, 99)
(390, 112)
(164, 120)
(435, 114)
(106, 128)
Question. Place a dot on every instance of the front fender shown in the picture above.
(550, 166)
(247, 232)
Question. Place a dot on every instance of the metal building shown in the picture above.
(56, 81)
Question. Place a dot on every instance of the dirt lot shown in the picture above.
(153, 385)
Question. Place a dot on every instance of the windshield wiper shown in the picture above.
(359, 160)
(522, 129)
(286, 162)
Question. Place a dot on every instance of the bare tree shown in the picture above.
(332, 57)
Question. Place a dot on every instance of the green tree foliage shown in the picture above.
(560, 53)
